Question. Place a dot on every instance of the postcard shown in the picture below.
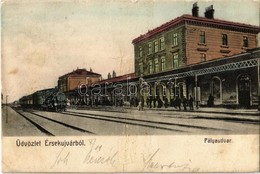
(130, 86)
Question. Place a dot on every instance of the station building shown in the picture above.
(71, 80)
(201, 56)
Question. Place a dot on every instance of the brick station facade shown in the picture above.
(190, 41)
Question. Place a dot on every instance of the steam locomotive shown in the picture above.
(48, 99)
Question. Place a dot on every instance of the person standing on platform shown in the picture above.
(150, 101)
(154, 102)
(191, 100)
(165, 102)
(178, 102)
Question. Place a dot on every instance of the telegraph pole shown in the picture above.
(175, 87)
(196, 91)
(258, 76)
(6, 109)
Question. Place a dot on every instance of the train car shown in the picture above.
(26, 101)
(23, 101)
(39, 97)
(48, 99)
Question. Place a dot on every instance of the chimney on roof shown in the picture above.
(114, 74)
(209, 12)
(109, 76)
(195, 10)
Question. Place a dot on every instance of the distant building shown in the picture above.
(105, 94)
(72, 80)
(190, 39)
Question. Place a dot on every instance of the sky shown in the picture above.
(44, 39)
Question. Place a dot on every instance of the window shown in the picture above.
(140, 51)
(163, 64)
(202, 37)
(150, 49)
(141, 68)
(175, 39)
(156, 65)
(162, 44)
(156, 46)
(175, 60)
(245, 41)
(202, 57)
(150, 67)
(224, 39)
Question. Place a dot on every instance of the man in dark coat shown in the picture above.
(178, 102)
(150, 101)
(165, 102)
(191, 100)
(211, 101)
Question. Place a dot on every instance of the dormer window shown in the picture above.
(162, 44)
(202, 37)
(140, 51)
(150, 49)
(224, 39)
(156, 65)
(175, 60)
(150, 66)
(175, 39)
(156, 46)
(163, 63)
(141, 69)
(245, 41)
(202, 57)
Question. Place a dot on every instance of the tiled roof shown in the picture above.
(80, 72)
(217, 23)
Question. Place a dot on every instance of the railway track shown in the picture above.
(39, 127)
(36, 117)
(120, 120)
(139, 122)
(47, 125)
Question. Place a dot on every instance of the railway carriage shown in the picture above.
(48, 99)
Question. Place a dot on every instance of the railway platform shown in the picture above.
(232, 113)
(219, 110)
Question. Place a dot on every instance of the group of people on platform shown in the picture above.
(151, 102)
(157, 102)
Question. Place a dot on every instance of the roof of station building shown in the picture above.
(200, 21)
(80, 72)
